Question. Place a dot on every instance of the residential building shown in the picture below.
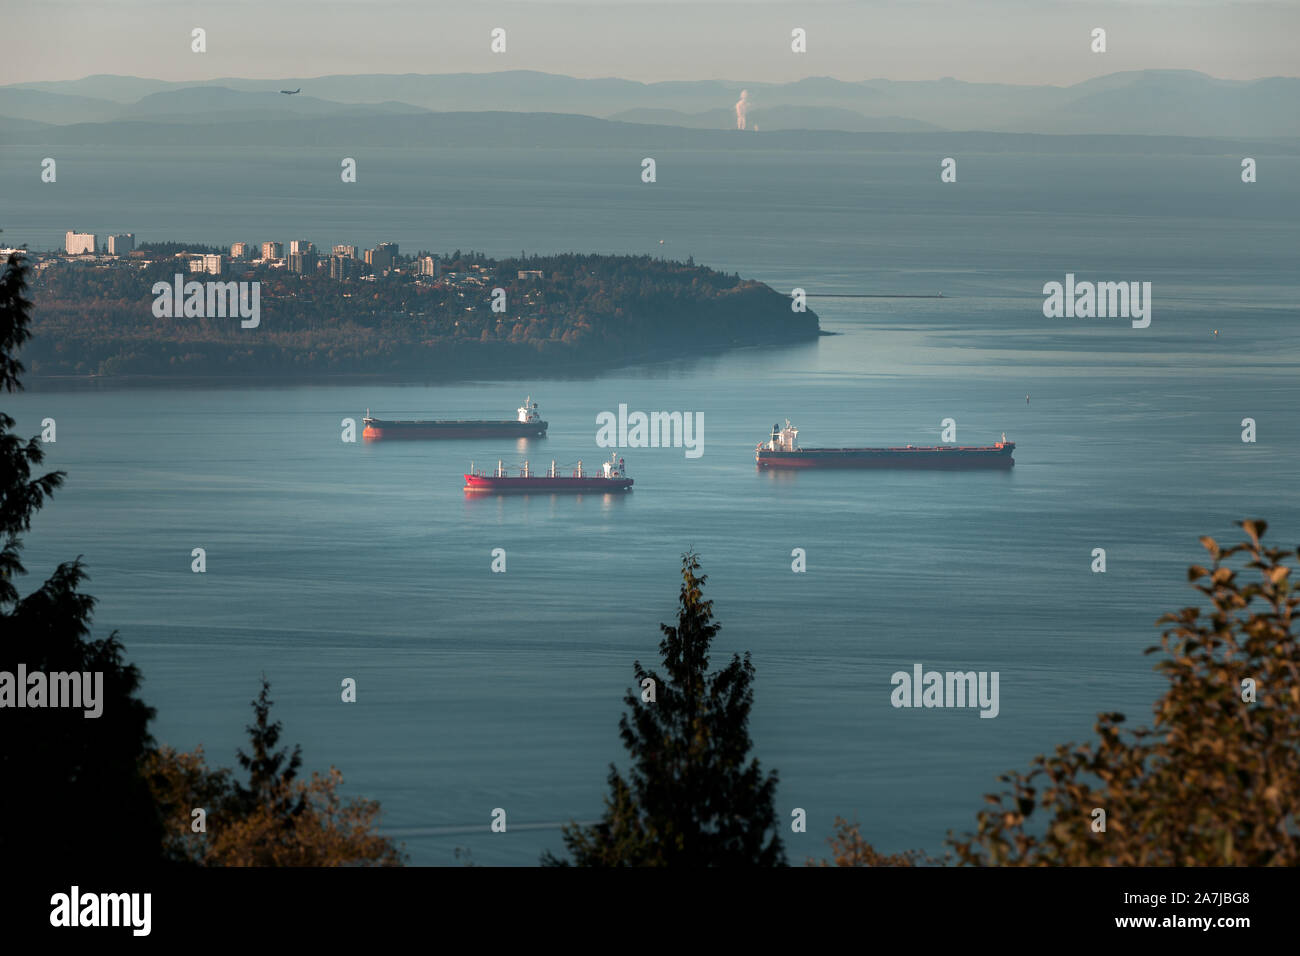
(343, 267)
(383, 257)
(303, 260)
(79, 243)
(121, 243)
(210, 263)
(272, 250)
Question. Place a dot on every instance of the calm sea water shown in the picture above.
(478, 690)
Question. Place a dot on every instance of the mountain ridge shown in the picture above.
(1155, 102)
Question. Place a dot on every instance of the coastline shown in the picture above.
(577, 371)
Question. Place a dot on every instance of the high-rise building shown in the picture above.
(209, 263)
(79, 243)
(382, 257)
(121, 243)
(342, 267)
(272, 250)
(429, 266)
(299, 245)
(349, 251)
(303, 260)
(239, 250)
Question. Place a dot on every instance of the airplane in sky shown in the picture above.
(291, 92)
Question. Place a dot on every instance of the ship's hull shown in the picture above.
(377, 430)
(544, 485)
(941, 457)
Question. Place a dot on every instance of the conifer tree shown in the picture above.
(270, 772)
(277, 819)
(692, 797)
(70, 786)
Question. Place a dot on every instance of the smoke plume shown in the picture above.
(742, 108)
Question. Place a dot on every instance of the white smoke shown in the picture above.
(742, 108)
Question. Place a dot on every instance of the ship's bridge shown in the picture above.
(528, 413)
(614, 467)
(783, 439)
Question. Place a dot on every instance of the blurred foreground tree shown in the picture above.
(84, 784)
(70, 786)
(692, 797)
(1216, 781)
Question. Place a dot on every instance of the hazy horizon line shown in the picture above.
(625, 79)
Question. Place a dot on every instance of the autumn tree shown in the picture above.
(693, 796)
(275, 819)
(1215, 781)
(327, 831)
(71, 788)
(187, 793)
(850, 848)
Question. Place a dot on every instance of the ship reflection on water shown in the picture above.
(556, 503)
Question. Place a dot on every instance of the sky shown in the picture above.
(1005, 41)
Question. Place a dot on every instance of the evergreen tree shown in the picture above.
(72, 790)
(691, 798)
(276, 820)
(270, 771)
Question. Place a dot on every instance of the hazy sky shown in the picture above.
(1016, 41)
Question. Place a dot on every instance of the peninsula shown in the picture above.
(149, 312)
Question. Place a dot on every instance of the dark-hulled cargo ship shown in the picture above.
(781, 450)
(527, 424)
(611, 477)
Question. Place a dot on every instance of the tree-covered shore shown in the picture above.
(585, 312)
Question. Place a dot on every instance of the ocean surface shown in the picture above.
(478, 690)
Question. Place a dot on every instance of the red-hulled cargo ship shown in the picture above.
(782, 451)
(527, 424)
(611, 477)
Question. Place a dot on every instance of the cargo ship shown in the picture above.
(527, 424)
(781, 450)
(611, 477)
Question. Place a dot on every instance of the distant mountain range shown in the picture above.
(1141, 103)
(533, 130)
